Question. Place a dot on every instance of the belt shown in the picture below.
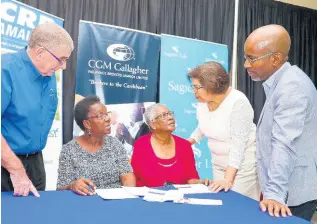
(28, 155)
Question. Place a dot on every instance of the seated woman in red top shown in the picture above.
(160, 157)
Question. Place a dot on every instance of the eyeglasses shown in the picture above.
(60, 61)
(252, 60)
(164, 115)
(196, 88)
(102, 116)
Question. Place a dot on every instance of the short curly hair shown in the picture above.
(212, 77)
(82, 109)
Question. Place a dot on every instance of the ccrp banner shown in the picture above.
(17, 22)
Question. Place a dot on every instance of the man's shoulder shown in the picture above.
(144, 129)
(11, 65)
(295, 80)
(295, 75)
(11, 60)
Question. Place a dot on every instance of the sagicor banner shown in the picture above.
(178, 56)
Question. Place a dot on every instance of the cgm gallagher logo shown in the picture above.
(120, 52)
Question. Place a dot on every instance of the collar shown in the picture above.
(270, 81)
(28, 62)
(139, 123)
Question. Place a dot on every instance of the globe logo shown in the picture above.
(120, 52)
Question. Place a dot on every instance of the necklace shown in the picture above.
(167, 165)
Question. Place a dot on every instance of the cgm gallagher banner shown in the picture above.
(178, 56)
(17, 22)
(120, 66)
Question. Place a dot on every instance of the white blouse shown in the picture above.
(230, 131)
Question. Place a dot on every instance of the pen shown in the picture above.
(90, 188)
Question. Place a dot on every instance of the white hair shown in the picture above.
(150, 112)
(50, 35)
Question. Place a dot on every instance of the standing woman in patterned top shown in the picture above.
(95, 159)
(225, 117)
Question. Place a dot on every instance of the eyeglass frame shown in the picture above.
(251, 61)
(170, 113)
(104, 116)
(196, 88)
(60, 61)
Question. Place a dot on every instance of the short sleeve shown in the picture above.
(122, 158)
(65, 167)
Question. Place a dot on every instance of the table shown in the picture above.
(58, 207)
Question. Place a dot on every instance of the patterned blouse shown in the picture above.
(103, 167)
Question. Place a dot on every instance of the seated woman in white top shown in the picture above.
(225, 117)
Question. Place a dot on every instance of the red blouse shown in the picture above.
(152, 171)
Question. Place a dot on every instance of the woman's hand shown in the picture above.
(191, 141)
(218, 185)
(83, 186)
(205, 182)
(196, 181)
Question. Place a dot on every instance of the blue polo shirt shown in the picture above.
(28, 103)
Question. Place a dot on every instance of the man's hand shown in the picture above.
(20, 180)
(274, 208)
(22, 184)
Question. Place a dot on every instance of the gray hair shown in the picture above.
(50, 35)
(150, 113)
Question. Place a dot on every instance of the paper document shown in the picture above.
(114, 193)
(196, 201)
(137, 191)
(162, 196)
(192, 188)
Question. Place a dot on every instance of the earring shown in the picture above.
(89, 132)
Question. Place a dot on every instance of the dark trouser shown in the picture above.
(34, 166)
(304, 211)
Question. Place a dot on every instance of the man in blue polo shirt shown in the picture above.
(28, 106)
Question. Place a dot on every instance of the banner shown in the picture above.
(178, 56)
(17, 22)
(120, 66)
